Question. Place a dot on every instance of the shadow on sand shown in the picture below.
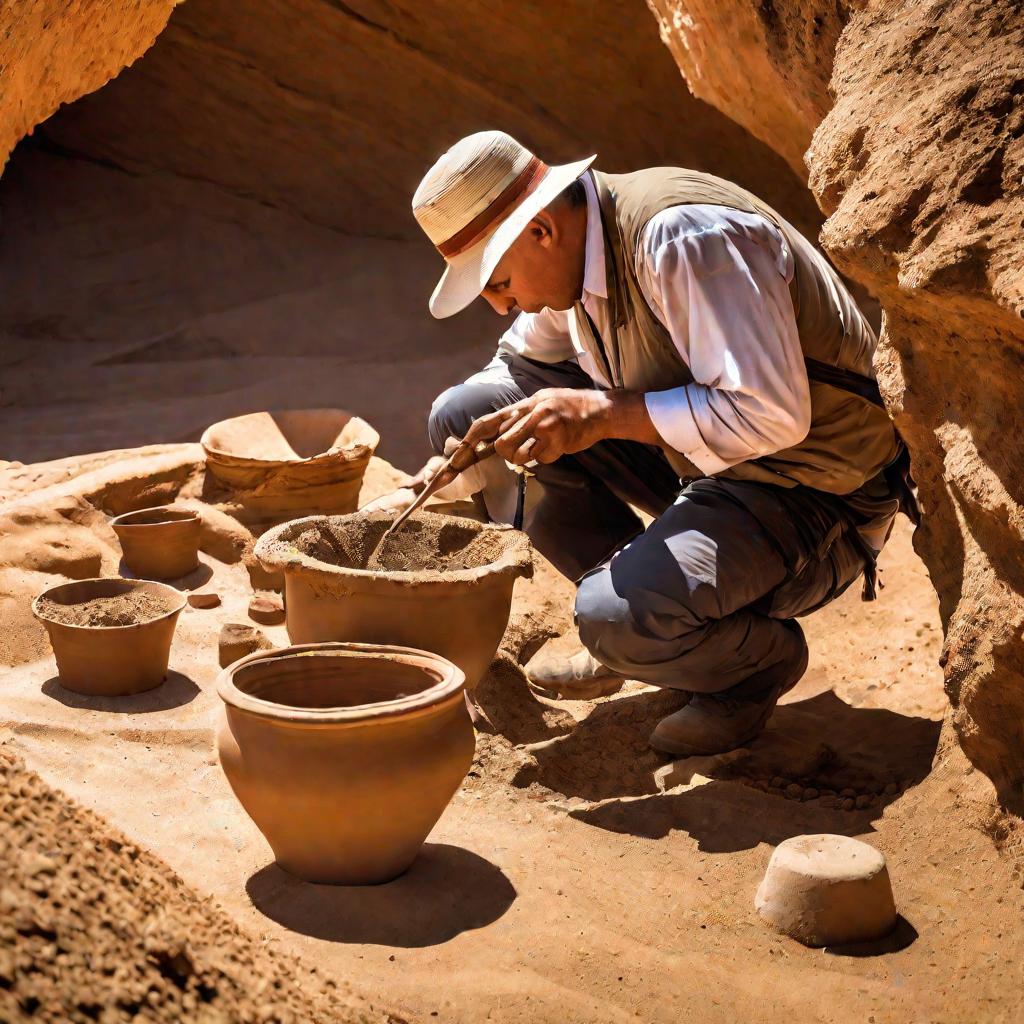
(175, 691)
(447, 891)
(820, 744)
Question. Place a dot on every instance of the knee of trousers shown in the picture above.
(455, 410)
(618, 630)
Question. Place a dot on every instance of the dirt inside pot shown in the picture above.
(126, 609)
(428, 543)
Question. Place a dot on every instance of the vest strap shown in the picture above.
(845, 380)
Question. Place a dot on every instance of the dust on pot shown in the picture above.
(110, 637)
(344, 755)
(159, 543)
(440, 583)
(292, 462)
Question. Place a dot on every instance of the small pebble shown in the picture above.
(267, 609)
(793, 791)
(778, 782)
(892, 789)
(810, 793)
(848, 805)
(863, 801)
(204, 599)
(848, 793)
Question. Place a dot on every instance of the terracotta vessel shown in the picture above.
(111, 661)
(291, 463)
(344, 755)
(159, 543)
(460, 614)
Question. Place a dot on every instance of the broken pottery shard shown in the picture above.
(267, 608)
(204, 599)
(827, 890)
(237, 639)
(291, 463)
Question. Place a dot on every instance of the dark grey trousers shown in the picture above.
(702, 600)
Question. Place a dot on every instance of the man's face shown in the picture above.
(543, 268)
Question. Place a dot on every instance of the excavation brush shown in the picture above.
(464, 456)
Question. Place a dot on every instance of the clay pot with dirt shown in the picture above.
(291, 463)
(344, 755)
(439, 583)
(159, 543)
(110, 637)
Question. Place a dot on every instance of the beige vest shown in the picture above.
(850, 439)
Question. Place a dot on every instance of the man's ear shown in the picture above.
(541, 229)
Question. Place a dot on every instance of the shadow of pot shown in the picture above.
(111, 661)
(459, 614)
(344, 755)
(293, 462)
(159, 543)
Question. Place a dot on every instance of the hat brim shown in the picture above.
(467, 273)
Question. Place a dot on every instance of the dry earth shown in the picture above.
(96, 929)
(576, 876)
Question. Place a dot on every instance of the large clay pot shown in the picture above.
(344, 755)
(111, 661)
(460, 614)
(159, 543)
(291, 463)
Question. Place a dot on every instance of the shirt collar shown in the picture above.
(595, 282)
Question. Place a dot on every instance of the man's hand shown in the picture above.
(560, 421)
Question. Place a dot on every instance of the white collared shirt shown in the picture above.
(718, 280)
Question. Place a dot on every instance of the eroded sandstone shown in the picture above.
(918, 157)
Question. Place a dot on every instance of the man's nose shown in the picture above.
(501, 304)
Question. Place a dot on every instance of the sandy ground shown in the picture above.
(138, 309)
(96, 928)
(576, 876)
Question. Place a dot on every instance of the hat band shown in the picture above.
(522, 184)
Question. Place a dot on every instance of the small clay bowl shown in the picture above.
(159, 543)
(111, 661)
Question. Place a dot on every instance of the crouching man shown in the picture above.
(680, 349)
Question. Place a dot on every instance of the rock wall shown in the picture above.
(335, 109)
(53, 51)
(918, 157)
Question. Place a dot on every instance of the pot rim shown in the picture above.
(183, 601)
(186, 516)
(445, 691)
(515, 558)
(356, 452)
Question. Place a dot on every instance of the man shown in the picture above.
(683, 350)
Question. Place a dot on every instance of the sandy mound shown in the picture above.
(94, 928)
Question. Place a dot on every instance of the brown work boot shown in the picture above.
(713, 723)
(579, 677)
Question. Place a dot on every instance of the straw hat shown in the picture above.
(475, 202)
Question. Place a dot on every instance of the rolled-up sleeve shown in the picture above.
(719, 282)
